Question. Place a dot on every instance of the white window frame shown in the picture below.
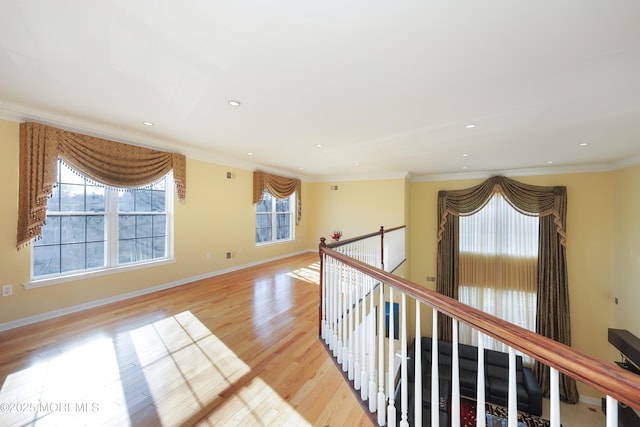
(274, 221)
(112, 264)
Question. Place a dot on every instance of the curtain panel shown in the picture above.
(279, 187)
(106, 162)
(550, 205)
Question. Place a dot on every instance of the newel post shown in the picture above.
(323, 244)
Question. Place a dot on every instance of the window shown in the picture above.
(90, 227)
(498, 266)
(275, 219)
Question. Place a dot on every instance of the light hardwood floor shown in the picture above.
(238, 349)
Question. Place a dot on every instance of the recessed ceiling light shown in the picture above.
(583, 144)
(470, 126)
(319, 145)
(550, 162)
(356, 164)
(250, 153)
(147, 123)
(464, 168)
(465, 155)
(234, 103)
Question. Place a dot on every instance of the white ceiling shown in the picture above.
(387, 85)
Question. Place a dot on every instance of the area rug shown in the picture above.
(495, 416)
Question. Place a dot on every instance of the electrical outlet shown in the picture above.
(228, 255)
(7, 290)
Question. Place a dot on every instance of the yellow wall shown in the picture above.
(356, 208)
(589, 246)
(217, 217)
(625, 254)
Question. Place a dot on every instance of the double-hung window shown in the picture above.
(91, 227)
(275, 220)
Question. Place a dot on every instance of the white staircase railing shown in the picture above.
(368, 336)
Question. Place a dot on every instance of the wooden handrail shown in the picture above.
(362, 237)
(607, 378)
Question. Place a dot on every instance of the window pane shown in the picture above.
(53, 204)
(144, 226)
(71, 198)
(160, 185)
(284, 226)
(265, 204)
(126, 201)
(263, 228)
(126, 251)
(159, 247)
(72, 229)
(46, 260)
(72, 257)
(95, 255)
(50, 232)
(95, 198)
(126, 226)
(158, 201)
(282, 205)
(159, 225)
(143, 200)
(95, 228)
(144, 249)
(68, 176)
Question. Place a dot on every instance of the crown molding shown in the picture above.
(512, 173)
(19, 113)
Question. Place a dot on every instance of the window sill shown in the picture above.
(276, 242)
(40, 283)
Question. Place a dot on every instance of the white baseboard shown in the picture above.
(93, 304)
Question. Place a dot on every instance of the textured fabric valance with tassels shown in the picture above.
(527, 199)
(106, 162)
(279, 187)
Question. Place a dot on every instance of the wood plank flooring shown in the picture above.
(238, 349)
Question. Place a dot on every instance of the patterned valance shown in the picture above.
(279, 187)
(532, 200)
(106, 162)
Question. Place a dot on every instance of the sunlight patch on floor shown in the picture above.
(171, 372)
(65, 389)
(309, 274)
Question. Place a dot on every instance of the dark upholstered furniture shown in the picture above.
(496, 378)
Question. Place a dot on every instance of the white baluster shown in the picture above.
(513, 391)
(336, 309)
(347, 364)
(417, 400)
(356, 345)
(404, 398)
(435, 389)
(481, 418)
(323, 300)
(333, 339)
(339, 297)
(381, 397)
(612, 412)
(455, 377)
(372, 354)
(391, 409)
(364, 387)
(554, 398)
